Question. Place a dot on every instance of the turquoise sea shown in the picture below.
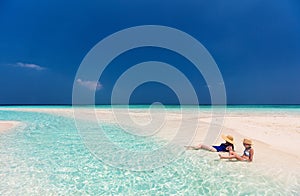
(45, 155)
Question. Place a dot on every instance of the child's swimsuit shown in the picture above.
(247, 152)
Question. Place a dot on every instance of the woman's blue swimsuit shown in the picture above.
(221, 148)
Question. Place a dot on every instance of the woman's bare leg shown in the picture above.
(193, 147)
(233, 155)
(201, 146)
(210, 148)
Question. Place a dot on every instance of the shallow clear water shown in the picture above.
(46, 155)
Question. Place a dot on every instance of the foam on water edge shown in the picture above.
(45, 154)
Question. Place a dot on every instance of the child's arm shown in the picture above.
(251, 155)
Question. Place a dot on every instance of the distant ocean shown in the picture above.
(263, 106)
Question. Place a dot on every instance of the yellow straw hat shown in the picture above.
(228, 138)
(247, 141)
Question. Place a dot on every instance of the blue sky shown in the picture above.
(255, 44)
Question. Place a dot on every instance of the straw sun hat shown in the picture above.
(247, 141)
(228, 138)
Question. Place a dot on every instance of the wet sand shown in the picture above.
(7, 125)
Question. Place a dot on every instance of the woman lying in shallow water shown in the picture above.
(224, 147)
(247, 155)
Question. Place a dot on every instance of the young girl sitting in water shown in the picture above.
(247, 155)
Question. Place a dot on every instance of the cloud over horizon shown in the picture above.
(91, 85)
(30, 66)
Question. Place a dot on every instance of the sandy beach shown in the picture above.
(276, 134)
(6, 125)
